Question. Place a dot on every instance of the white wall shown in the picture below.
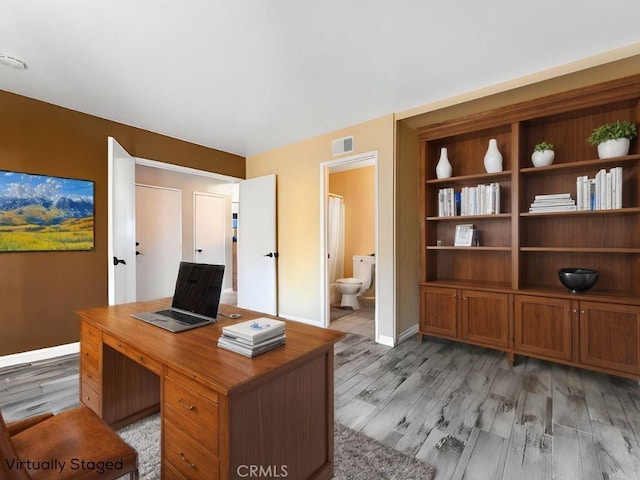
(189, 184)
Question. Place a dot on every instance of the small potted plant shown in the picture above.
(543, 154)
(613, 139)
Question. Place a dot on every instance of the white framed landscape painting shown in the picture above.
(41, 213)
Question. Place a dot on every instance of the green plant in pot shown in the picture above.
(613, 139)
(543, 154)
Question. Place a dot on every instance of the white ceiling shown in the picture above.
(247, 76)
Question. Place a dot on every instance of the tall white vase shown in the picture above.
(443, 168)
(493, 158)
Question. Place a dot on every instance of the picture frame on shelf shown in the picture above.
(465, 235)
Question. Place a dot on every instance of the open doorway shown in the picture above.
(349, 243)
(122, 250)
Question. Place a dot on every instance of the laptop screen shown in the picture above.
(198, 288)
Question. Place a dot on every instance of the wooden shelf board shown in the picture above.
(616, 211)
(580, 249)
(485, 286)
(458, 218)
(475, 249)
(469, 179)
(581, 165)
(608, 296)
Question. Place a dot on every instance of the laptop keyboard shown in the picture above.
(182, 317)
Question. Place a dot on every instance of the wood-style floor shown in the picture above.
(461, 408)
(39, 387)
(468, 413)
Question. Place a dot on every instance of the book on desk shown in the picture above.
(253, 337)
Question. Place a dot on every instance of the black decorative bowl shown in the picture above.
(578, 279)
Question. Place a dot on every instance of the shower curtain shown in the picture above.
(335, 245)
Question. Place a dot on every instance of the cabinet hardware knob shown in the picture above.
(575, 311)
(140, 357)
(191, 465)
(185, 405)
(582, 312)
(88, 398)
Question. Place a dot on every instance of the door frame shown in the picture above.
(163, 166)
(333, 166)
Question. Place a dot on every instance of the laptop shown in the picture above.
(195, 300)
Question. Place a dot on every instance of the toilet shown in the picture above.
(351, 288)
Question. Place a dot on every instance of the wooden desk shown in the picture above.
(223, 415)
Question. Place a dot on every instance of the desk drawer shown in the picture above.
(169, 472)
(133, 354)
(192, 384)
(193, 412)
(90, 397)
(89, 333)
(89, 368)
(89, 351)
(187, 456)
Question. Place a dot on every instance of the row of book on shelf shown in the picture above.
(604, 192)
(253, 337)
(478, 200)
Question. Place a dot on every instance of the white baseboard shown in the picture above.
(38, 355)
(408, 333)
(384, 340)
(300, 319)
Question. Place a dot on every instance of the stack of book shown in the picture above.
(557, 202)
(604, 192)
(253, 337)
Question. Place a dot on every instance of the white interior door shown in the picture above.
(209, 228)
(158, 239)
(122, 224)
(257, 245)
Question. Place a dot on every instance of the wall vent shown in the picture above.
(342, 145)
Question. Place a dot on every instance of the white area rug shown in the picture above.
(356, 456)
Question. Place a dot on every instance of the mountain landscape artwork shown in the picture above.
(44, 213)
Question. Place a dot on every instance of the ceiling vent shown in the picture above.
(342, 145)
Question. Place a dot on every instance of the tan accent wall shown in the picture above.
(297, 167)
(39, 292)
(358, 189)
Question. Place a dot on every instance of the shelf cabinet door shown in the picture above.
(610, 336)
(485, 317)
(438, 311)
(543, 326)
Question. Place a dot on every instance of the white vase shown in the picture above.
(493, 158)
(542, 158)
(443, 168)
(613, 148)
